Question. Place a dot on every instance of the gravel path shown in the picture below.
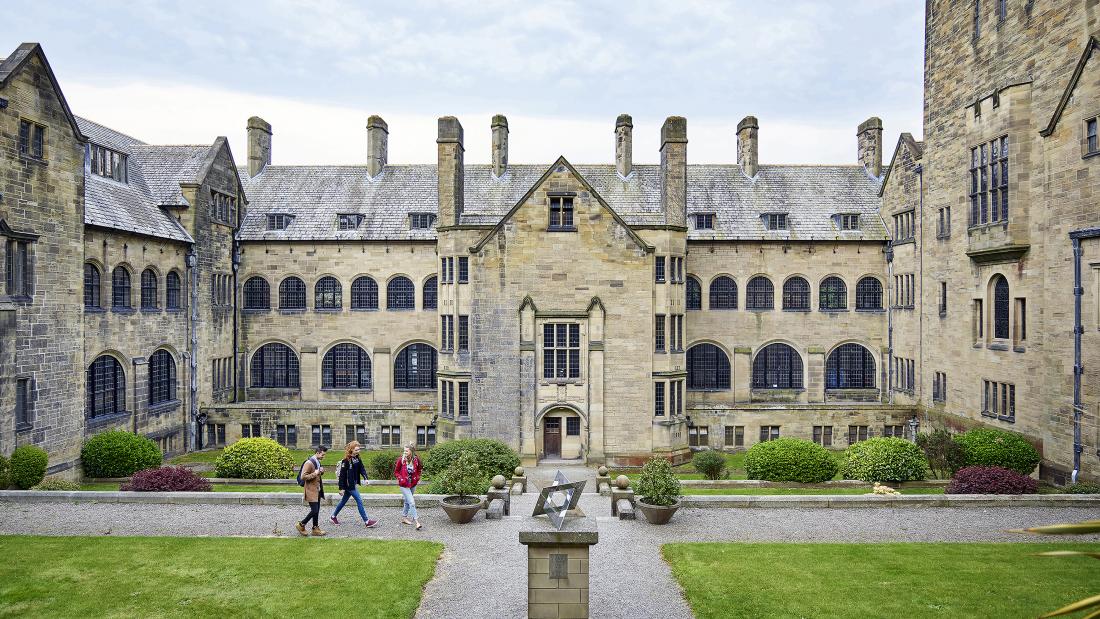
(483, 569)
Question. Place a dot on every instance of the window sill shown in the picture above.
(721, 309)
(292, 311)
(998, 346)
(991, 224)
(561, 229)
(904, 391)
(777, 390)
(877, 310)
(943, 314)
(364, 309)
(122, 310)
(31, 159)
(328, 310)
(151, 310)
(105, 420)
(943, 237)
(714, 390)
(660, 352)
(834, 311)
(802, 310)
(1006, 419)
(759, 309)
(570, 381)
(347, 389)
(255, 310)
(400, 309)
(1019, 348)
(1095, 153)
(23, 427)
(17, 299)
(94, 310)
(415, 389)
(906, 241)
(164, 407)
(175, 310)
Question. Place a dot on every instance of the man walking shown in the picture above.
(309, 477)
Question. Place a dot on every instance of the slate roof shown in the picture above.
(810, 195)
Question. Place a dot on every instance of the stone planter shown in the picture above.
(461, 509)
(656, 514)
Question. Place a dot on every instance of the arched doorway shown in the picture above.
(562, 434)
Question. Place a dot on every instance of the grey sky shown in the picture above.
(561, 72)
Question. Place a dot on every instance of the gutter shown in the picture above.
(920, 287)
(192, 347)
(1078, 368)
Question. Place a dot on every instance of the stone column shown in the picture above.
(557, 572)
(815, 374)
(383, 374)
(307, 374)
(742, 374)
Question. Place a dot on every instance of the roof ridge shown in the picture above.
(103, 126)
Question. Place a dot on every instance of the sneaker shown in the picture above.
(317, 532)
(406, 521)
(334, 520)
(301, 529)
(370, 524)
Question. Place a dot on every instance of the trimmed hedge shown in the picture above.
(56, 484)
(712, 464)
(790, 459)
(118, 453)
(991, 480)
(885, 458)
(493, 457)
(167, 479)
(992, 447)
(28, 466)
(255, 458)
(1082, 487)
(380, 463)
(5, 473)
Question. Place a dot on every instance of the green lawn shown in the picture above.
(879, 580)
(212, 577)
(294, 488)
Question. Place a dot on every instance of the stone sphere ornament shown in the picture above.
(622, 482)
(602, 471)
(519, 471)
(498, 482)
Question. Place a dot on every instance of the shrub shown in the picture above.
(885, 458)
(992, 447)
(944, 454)
(790, 459)
(118, 453)
(5, 473)
(28, 466)
(255, 458)
(712, 464)
(380, 463)
(492, 456)
(167, 479)
(991, 480)
(1082, 487)
(57, 484)
(463, 477)
(658, 485)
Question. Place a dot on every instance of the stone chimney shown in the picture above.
(450, 170)
(674, 170)
(748, 150)
(869, 139)
(500, 145)
(259, 145)
(624, 144)
(378, 134)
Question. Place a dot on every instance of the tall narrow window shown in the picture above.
(561, 213)
(693, 295)
(659, 399)
(1000, 308)
(328, 294)
(977, 19)
(463, 333)
(346, 366)
(1021, 321)
(760, 294)
(708, 368)
(120, 288)
(431, 292)
(1092, 143)
(91, 285)
(162, 378)
(20, 273)
(106, 387)
(172, 290)
(777, 366)
(659, 333)
(561, 350)
(257, 294)
(414, 368)
(364, 294)
(463, 400)
(796, 295)
(659, 270)
(463, 269)
(1002, 10)
(723, 293)
(24, 415)
(32, 139)
(400, 294)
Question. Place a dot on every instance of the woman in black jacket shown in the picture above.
(350, 472)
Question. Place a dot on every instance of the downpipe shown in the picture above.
(1078, 330)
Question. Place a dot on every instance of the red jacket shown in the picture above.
(402, 474)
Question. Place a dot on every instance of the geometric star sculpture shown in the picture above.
(558, 498)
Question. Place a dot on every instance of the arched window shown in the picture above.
(162, 377)
(120, 288)
(414, 368)
(723, 293)
(694, 294)
(257, 294)
(346, 366)
(106, 384)
(431, 291)
(148, 289)
(275, 365)
(760, 294)
(834, 294)
(1000, 307)
(796, 294)
(708, 368)
(868, 294)
(777, 366)
(91, 285)
(327, 294)
(364, 294)
(172, 290)
(292, 294)
(850, 366)
(400, 294)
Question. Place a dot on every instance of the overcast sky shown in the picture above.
(560, 71)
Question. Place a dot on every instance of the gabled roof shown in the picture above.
(13, 63)
(1091, 46)
(916, 151)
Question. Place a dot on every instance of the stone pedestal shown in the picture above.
(603, 485)
(521, 481)
(557, 572)
(503, 495)
(620, 493)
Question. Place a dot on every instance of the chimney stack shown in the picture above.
(377, 145)
(674, 170)
(869, 139)
(450, 170)
(748, 154)
(500, 145)
(624, 144)
(259, 145)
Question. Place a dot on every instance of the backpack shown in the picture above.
(301, 482)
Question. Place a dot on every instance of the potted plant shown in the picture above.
(658, 491)
(463, 482)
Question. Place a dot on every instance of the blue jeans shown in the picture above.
(409, 510)
(354, 492)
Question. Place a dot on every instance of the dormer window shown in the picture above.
(704, 221)
(348, 221)
(279, 221)
(561, 213)
(421, 221)
(108, 163)
(848, 221)
(775, 221)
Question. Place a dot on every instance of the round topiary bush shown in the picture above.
(118, 453)
(5, 473)
(885, 459)
(712, 464)
(380, 463)
(990, 480)
(255, 458)
(992, 447)
(28, 466)
(56, 484)
(658, 485)
(790, 459)
(167, 479)
(493, 457)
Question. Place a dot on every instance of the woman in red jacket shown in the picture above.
(407, 471)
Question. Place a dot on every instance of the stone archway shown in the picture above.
(561, 434)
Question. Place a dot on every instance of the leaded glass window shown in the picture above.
(708, 368)
(1000, 308)
(834, 294)
(777, 366)
(868, 294)
(106, 387)
(796, 294)
(693, 295)
(257, 294)
(275, 366)
(414, 368)
(162, 377)
(400, 294)
(172, 290)
(850, 366)
(120, 288)
(723, 293)
(91, 286)
(561, 350)
(760, 294)
(431, 293)
(292, 294)
(346, 366)
(328, 294)
(364, 294)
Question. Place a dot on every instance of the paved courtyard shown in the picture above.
(483, 568)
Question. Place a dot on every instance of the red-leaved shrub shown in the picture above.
(990, 480)
(167, 479)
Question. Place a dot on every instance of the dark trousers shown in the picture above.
(314, 512)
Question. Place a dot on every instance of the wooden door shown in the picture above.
(551, 437)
